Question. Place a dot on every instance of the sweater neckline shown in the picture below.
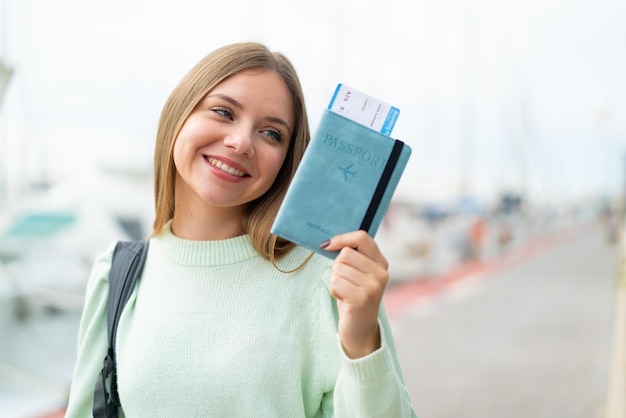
(202, 253)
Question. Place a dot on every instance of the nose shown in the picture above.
(240, 141)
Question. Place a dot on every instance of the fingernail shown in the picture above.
(325, 244)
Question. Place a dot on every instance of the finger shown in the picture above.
(348, 278)
(359, 269)
(355, 294)
(351, 271)
(359, 263)
(376, 269)
(358, 240)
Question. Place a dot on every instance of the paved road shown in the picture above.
(530, 340)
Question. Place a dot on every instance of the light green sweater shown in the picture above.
(214, 330)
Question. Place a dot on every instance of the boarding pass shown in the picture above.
(364, 109)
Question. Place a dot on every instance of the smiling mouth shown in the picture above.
(225, 167)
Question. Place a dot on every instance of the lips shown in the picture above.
(225, 167)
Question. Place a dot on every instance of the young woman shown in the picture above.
(216, 327)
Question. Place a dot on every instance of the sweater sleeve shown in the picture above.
(92, 339)
(372, 386)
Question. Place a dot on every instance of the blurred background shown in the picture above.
(515, 110)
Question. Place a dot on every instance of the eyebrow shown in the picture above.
(238, 105)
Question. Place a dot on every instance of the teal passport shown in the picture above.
(344, 183)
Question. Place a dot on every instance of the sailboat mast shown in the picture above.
(6, 73)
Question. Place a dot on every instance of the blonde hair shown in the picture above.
(201, 79)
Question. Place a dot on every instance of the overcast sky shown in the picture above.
(495, 95)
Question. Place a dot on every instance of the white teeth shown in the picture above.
(225, 167)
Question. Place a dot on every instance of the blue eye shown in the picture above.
(274, 134)
(225, 113)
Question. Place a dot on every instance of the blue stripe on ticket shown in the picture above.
(390, 122)
(332, 100)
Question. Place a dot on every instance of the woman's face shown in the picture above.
(232, 146)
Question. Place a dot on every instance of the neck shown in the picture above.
(207, 225)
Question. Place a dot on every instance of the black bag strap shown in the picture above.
(126, 266)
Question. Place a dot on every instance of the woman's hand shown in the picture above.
(358, 281)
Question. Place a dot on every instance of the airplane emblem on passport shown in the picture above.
(346, 172)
